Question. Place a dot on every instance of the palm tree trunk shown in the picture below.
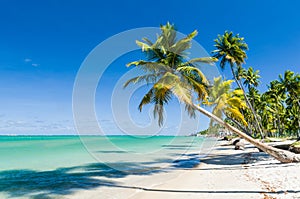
(250, 129)
(239, 125)
(279, 154)
(279, 124)
(248, 103)
(298, 129)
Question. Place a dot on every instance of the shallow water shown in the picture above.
(48, 166)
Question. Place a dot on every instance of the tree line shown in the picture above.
(244, 111)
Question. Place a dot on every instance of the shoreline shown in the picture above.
(223, 173)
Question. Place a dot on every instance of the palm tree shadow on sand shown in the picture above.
(65, 181)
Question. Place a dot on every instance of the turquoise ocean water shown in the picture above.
(45, 166)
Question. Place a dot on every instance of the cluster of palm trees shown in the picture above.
(171, 73)
(278, 108)
(273, 113)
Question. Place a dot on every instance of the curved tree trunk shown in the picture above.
(248, 103)
(281, 155)
(298, 131)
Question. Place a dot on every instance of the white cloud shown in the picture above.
(27, 60)
(35, 65)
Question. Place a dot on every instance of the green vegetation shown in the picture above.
(296, 144)
(212, 130)
(226, 102)
(277, 109)
(245, 111)
(168, 69)
(231, 50)
(295, 147)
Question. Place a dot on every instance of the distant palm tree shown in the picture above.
(289, 84)
(255, 100)
(251, 78)
(266, 113)
(230, 49)
(171, 73)
(292, 118)
(276, 103)
(226, 102)
(254, 97)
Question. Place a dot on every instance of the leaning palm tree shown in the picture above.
(251, 81)
(231, 50)
(255, 100)
(171, 73)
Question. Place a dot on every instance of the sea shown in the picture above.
(48, 166)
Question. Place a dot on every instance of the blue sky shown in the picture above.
(43, 43)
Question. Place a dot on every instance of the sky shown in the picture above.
(44, 43)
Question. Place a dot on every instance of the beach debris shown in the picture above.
(295, 147)
(239, 144)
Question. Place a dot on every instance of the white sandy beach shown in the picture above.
(224, 173)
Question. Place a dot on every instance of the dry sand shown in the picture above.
(224, 173)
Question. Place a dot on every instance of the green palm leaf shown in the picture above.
(170, 72)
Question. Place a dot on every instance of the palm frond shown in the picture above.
(146, 99)
(207, 60)
(237, 102)
(168, 80)
(159, 112)
(193, 71)
(144, 46)
(149, 78)
(152, 67)
(198, 87)
(235, 113)
(182, 92)
(183, 44)
(150, 43)
(190, 110)
(160, 98)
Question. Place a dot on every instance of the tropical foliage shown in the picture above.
(231, 49)
(226, 102)
(169, 72)
(277, 109)
(282, 108)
